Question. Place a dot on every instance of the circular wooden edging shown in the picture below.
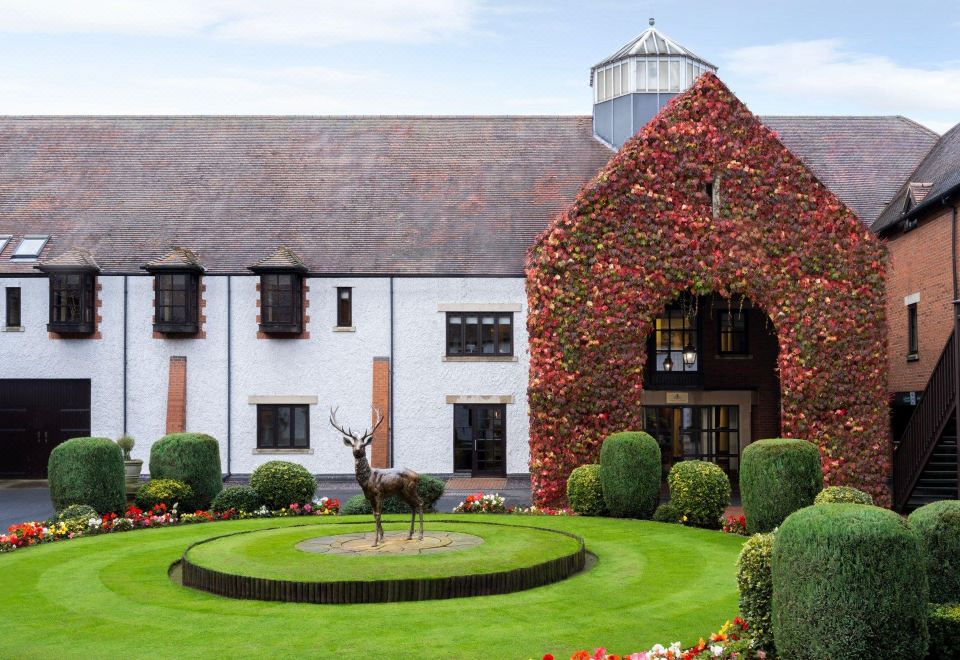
(383, 591)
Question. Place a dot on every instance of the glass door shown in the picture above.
(479, 439)
(707, 433)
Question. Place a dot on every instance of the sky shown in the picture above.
(375, 57)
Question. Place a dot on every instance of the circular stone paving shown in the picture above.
(392, 543)
(455, 559)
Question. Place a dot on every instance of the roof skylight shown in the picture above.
(4, 240)
(30, 247)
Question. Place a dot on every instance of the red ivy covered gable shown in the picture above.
(646, 230)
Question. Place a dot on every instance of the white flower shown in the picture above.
(716, 650)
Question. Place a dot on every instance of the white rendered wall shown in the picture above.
(335, 367)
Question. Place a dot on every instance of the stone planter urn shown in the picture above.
(132, 469)
(131, 466)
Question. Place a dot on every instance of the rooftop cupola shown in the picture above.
(631, 86)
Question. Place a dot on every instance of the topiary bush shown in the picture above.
(82, 512)
(584, 492)
(630, 474)
(701, 492)
(238, 498)
(429, 488)
(87, 471)
(668, 512)
(842, 495)
(777, 477)
(848, 582)
(194, 459)
(165, 491)
(944, 624)
(755, 583)
(938, 526)
(281, 483)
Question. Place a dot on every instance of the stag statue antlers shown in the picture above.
(378, 484)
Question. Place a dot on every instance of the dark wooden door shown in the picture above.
(36, 415)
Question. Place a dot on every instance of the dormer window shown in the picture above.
(73, 292)
(281, 293)
(176, 286)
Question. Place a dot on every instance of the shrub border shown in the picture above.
(383, 591)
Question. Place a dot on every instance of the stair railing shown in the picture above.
(925, 425)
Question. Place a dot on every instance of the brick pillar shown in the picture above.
(380, 449)
(177, 395)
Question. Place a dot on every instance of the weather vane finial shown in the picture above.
(652, 21)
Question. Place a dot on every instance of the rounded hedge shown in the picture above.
(701, 491)
(755, 583)
(87, 471)
(238, 498)
(630, 474)
(778, 477)
(584, 492)
(194, 459)
(848, 582)
(82, 512)
(944, 624)
(165, 491)
(281, 483)
(430, 489)
(938, 527)
(842, 495)
(668, 512)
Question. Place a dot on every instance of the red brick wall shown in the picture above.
(380, 449)
(177, 395)
(920, 262)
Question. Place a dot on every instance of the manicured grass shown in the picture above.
(273, 553)
(110, 596)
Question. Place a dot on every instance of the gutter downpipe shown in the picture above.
(125, 297)
(392, 369)
(229, 377)
(956, 332)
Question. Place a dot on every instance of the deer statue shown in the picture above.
(378, 484)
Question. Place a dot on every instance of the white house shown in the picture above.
(241, 276)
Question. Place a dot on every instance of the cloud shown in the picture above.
(314, 22)
(822, 76)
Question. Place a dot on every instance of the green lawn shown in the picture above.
(273, 553)
(109, 596)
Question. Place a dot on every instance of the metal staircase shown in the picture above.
(925, 459)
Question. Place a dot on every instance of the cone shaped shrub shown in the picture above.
(630, 474)
(777, 477)
(938, 526)
(194, 459)
(87, 471)
(701, 491)
(848, 582)
(584, 493)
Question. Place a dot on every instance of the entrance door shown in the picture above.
(36, 416)
(707, 433)
(480, 439)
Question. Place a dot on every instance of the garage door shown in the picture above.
(35, 417)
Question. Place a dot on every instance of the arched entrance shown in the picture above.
(704, 200)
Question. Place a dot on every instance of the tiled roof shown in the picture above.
(72, 258)
(940, 171)
(176, 258)
(283, 259)
(863, 160)
(352, 195)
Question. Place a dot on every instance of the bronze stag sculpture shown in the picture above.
(377, 483)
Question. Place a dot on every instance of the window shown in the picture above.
(4, 240)
(709, 433)
(344, 307)
(479, 439)
(913, 340)
(479, 333)
(281, 303)
(30, 247)
(72, 302)
(13, 307)
(675, 331)
(283, 426)
(177, 302)
(733, 332)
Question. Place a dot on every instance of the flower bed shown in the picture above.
(731, 642)
(34, 533)
(481, 503)
(736, 525)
